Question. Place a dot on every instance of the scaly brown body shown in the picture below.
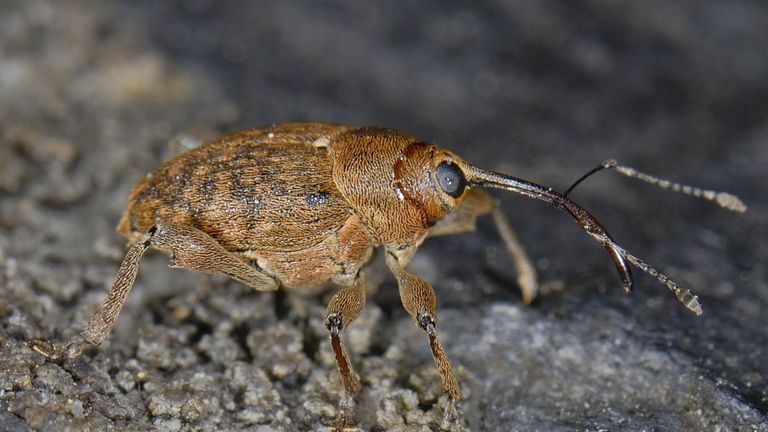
(296, 205)
(267, 195)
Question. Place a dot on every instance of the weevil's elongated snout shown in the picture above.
(585, 219)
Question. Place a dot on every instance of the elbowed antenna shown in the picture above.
(723, 199)
(588, 222)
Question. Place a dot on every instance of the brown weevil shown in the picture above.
(297, 205)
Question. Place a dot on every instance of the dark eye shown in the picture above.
(451, 179)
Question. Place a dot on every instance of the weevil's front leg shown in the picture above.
(189, 248)
(418, 298)
(526, 272)
(344, 307)
(462, 219)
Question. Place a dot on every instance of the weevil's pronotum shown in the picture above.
(298, 205)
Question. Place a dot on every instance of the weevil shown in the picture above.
(297, 205)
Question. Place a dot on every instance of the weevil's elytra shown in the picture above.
(298, 205)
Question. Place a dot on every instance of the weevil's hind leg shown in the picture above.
(342, 310)
(462, 219)
(189, 248)
(102, 321)
(419, 301)
(193, 249)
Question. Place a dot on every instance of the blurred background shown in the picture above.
(91, 93)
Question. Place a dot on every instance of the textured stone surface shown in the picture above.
(91, 93)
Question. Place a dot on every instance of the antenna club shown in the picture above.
(730, 202)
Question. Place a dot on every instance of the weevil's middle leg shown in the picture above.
(189, 248)
(526, 272)
(462, 219)
(419, 300)
(345, 307)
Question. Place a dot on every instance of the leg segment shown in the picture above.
(477, 202)
(462, 219)
(526, 272)
(193, 249)
(344, 307)
(419, 300)
(189, 248)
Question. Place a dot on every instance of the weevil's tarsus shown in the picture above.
(723, 199)
(451, 415)
(58, 352)
(585, 219)
(344, 421)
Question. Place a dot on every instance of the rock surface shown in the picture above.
(91, 93)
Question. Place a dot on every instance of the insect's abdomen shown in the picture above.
(253, 191)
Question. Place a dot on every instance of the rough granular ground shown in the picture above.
(91, 93)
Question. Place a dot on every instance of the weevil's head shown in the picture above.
(399, 185)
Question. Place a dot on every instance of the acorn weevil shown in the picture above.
(296, 205)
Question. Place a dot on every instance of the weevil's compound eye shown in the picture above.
(451, 179)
